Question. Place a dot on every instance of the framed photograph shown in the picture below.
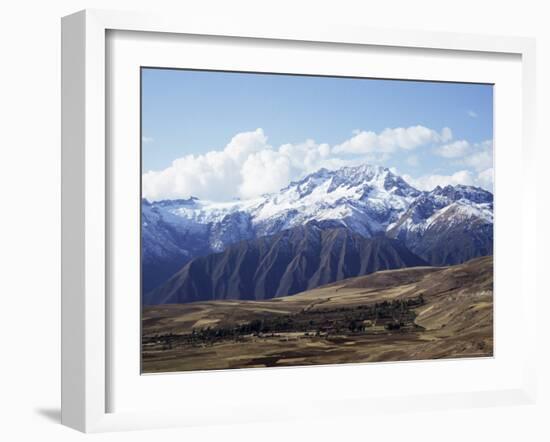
(292, 222)
(375, 246)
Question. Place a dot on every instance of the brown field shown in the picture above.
(438, 312)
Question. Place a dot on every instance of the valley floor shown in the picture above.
(395, 315)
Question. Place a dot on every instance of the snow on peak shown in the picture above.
(461, 211)
(460, 191)
(367, 199)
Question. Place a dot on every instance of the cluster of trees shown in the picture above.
(167, 341)
(393, 315)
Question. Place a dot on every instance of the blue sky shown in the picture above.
(195, 112)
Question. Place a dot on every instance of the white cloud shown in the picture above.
(249, 166)
(446, 135)
(306, 155)
(472, 114)
(263, 172)
(480, 156)
(482, 179)
(485, 179)
(215, 175)
(147, 140)
(429, 182)
(246, 143)
(390, 140)
(453, 150)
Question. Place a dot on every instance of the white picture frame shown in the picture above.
(87, 210)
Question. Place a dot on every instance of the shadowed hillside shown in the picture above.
(283, 264)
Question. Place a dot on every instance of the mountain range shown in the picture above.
(268, 246)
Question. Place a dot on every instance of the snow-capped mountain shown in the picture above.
(364, 199)
(448, 225)
(367, 200)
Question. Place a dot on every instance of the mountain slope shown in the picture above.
(174, 232)
(448, 225)
(289, 262)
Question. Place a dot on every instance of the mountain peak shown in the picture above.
(461, 191)
(363, 177)
(362, 172)
(364, 169)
